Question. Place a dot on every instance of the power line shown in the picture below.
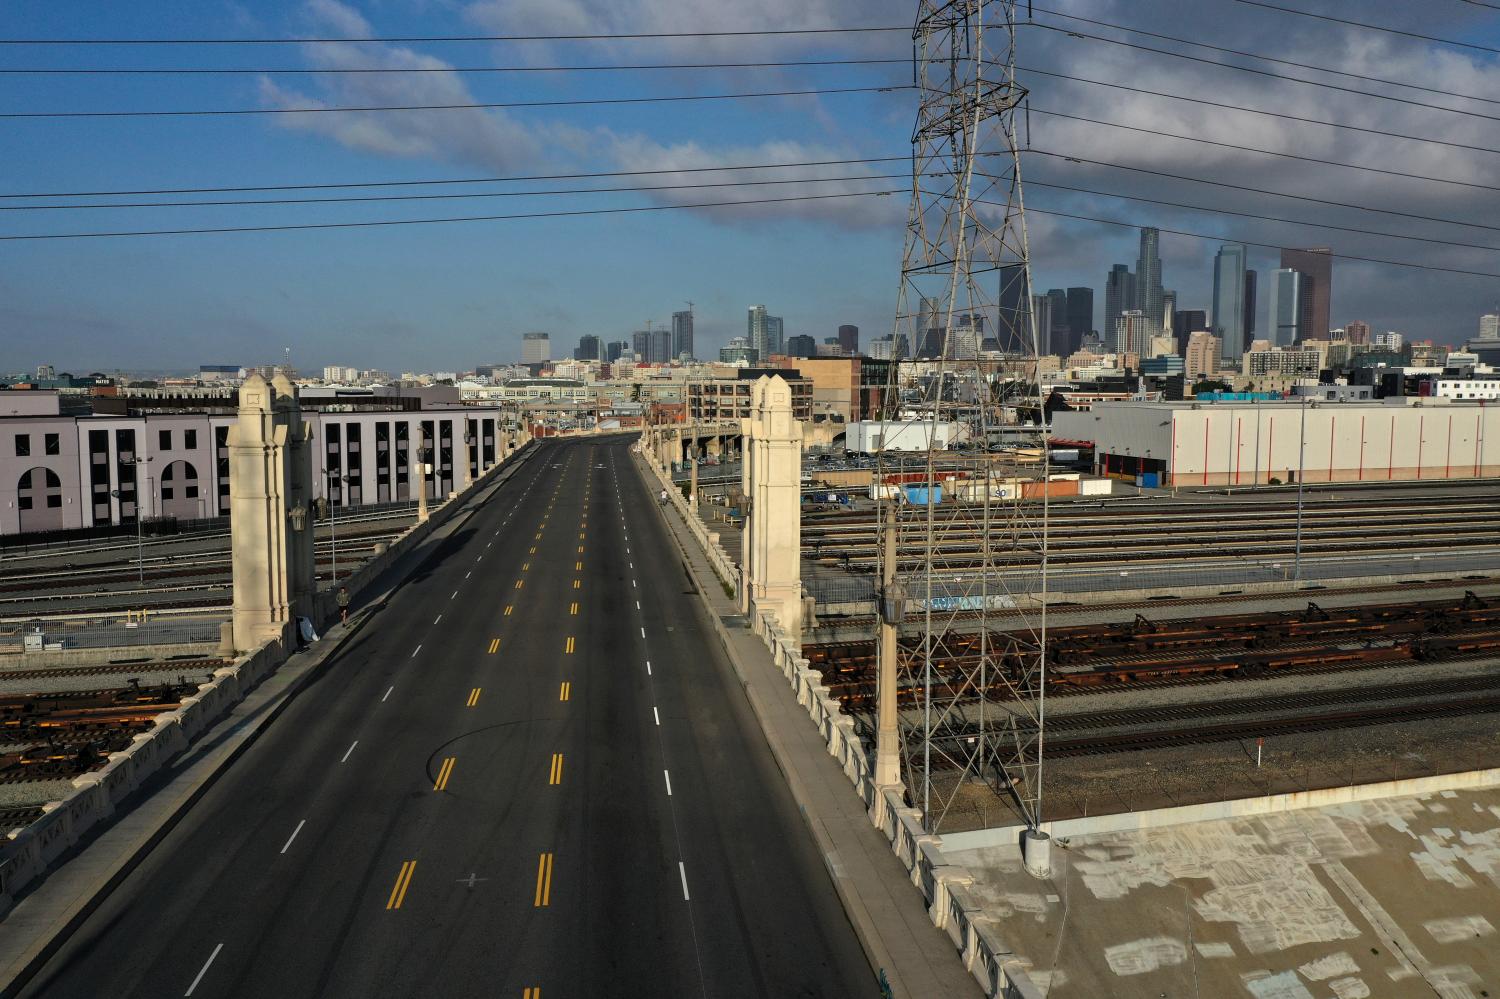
(1371, 27)
(1250, 242)
(416, 39)
(578, 102)
(447, 197)
(1280, 76)
(1481, 3)
(1159, 133)
(457, 180)
(229, 71)
(437, 221)
(1261, 218)
(1258, 111)
(1274, 194)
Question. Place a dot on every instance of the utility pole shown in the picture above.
(1301, 470)
(887, 733)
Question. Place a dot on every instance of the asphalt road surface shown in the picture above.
(532, 774)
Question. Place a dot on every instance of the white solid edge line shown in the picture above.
(648, 668)
(455, 593)
(664, 773)
(643, 632)
(303, 823)
(437, 619)
(637, 605)
(681, 869)
(387, 693)
(348, 751)
(466, 576)
(655, 714)
(204, 970)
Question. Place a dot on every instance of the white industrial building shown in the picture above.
(870, 436)
(1219, 444)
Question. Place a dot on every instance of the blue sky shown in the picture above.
(451, 296)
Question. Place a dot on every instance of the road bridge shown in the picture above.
(530, 770)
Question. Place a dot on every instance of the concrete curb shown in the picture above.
(213, 760)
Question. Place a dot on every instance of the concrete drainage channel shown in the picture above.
(112, 825)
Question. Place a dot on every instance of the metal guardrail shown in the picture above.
(107, 632)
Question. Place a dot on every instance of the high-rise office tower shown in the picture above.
(682, 334)
(588, 348)
(755, 332)
(1080, 316)
(661, 346)
(1133, 332)
(849, 339)
(1317, 293)
(1186, 322)
(801, 345)
(1358, 332)
(1489, 327)
(1286, 306)
(1168, 310)
(1119, 297)
(1013, 325)
(614, 350)
(775, 336)
(1059, 333)
(640, 345)
(1250, 293)
(1041, 311)
(535, 348)
(1148, 289)
(1228, 320)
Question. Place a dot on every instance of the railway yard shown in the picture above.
(132, 629)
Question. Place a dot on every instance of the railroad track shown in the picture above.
(183, 666)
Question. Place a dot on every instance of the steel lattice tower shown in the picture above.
(973, 572)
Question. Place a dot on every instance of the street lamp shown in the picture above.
(333, 517)
(140, 551)
(1301, 470)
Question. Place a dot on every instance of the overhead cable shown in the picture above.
(1257, 217)
(634, 209)
(1266, 191)
(1283, 76)
(1246, 242)
(419, 39)
(1371, 27)
(1159, 133)
(571, 102)
(346, 199)
(1257, 111)
(319, 71)
(456, 180)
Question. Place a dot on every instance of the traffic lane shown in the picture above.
(771, 917)
(215, 856)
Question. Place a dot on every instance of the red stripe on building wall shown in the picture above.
(1333, 421)
(1205, 450)
(1239, 443)
(1421, 423)
(1361, 449)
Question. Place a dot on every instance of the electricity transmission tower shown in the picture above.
(970, 568)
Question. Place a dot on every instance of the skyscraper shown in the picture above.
(1250, 293)
(849, 339)
(614, 350)
(1059, 333)
(1041, 310)
(1228, 321)
(1013, 327)
(588, 348)
(1119, 297)
(1186, 322)
(1317, 292)
(535, 348)
(1080, 316)
(640, 345)
(1168, 310)
(682, 334)
(1133, 332)
(1286, 306)
(1489, 327)
(775, 336)
(661, 346)
(1148, 291)
(801, 345)
(1358, 332)
(755, 332)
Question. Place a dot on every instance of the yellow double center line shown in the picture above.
(531, 993)
(573, 608)
(543, 881)
(568, 649)
(444, 772)
(494, 645)
(565, 691)
(403, 880)
(555, 777)
(473, 697)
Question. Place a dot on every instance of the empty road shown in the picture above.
(531, 774)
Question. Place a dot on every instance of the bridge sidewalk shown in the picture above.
(885, 908)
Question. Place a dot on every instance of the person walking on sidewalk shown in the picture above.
(343, 605)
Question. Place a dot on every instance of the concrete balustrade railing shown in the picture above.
(26, 853)
(946, 888)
